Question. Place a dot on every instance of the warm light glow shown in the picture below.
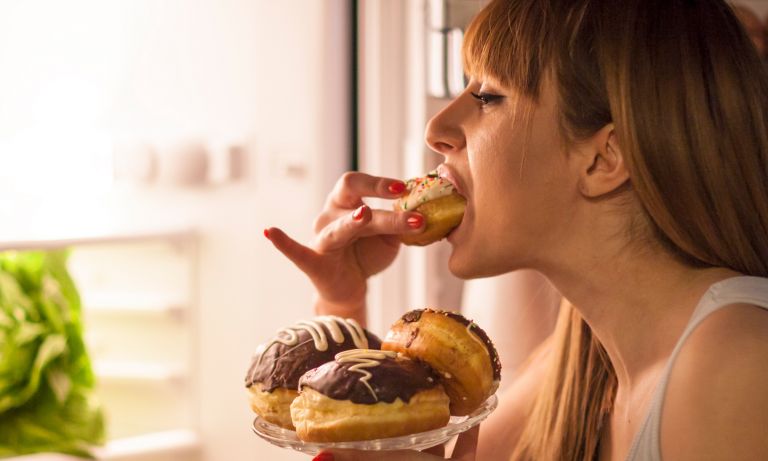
(59, 68)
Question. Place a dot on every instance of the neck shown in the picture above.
(637, 306)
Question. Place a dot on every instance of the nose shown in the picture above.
(445, 132)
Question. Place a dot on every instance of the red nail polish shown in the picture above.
(325, 456)
(396, 187)
(415, 221)
(266, 233)
(358, 214)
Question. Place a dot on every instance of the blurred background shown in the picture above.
(156, 139)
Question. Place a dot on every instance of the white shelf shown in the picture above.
(161, 445)
(137, 290)
(133, 303)
(61, 241)
(175, 445)
(138, 371)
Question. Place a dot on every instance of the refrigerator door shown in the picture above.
(410, 68)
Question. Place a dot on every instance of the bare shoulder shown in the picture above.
(716, 404)
(500, 432)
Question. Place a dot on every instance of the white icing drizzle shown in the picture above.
(364, 358)
(495, 383)
(475, 337)
(424, 189)
(315, 329)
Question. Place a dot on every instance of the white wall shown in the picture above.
(80, 77)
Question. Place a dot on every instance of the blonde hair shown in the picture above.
(688, 97)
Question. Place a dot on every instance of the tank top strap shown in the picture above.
(735, 290)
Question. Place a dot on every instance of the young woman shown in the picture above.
(621, 149)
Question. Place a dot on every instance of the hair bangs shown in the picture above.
(507, 42)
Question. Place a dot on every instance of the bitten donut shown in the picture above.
(368, 394)
(436, 198)
(273, 377)
(456, 348)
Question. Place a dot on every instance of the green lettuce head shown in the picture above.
(47, 401)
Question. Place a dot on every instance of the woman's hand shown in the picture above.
(466, 446)
(352, 242)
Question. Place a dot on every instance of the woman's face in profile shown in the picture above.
(506, 153)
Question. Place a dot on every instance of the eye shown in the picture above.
(486, 98)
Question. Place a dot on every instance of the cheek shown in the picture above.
(496, 174)
(518, 203)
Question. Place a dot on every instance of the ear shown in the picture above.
(601, 165)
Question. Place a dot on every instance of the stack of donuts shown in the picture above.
(331, 380)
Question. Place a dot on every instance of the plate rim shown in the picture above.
(386, 444)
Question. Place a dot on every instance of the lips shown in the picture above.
(446, 172)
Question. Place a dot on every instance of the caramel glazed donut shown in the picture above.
(368, 394)
(435, 198)
(273, 378)
(456, 348)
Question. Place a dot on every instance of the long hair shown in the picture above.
(688, 97)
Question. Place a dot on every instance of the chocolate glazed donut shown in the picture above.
(368, 394)
(273, 377)
(455, 347)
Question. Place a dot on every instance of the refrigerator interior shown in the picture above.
(157, 140)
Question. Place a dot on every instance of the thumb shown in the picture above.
(299, 254)
(466, 445)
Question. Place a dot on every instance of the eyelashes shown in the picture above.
(487, 98)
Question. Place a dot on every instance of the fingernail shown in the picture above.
(415, 221)
(266, 233)
(396, 187)
(323, 457)
(358, 214)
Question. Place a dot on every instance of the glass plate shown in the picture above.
(285, 438)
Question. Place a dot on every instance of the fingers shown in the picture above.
(395, 223)
(364, 222)
(343, 231)
(353, 186)
(300, 255)
(466, 445)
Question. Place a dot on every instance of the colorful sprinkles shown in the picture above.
(423, 189)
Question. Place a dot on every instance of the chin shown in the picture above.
(470, 257)
(465, 266)
(470, 260)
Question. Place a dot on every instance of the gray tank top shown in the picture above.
(749, 290)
